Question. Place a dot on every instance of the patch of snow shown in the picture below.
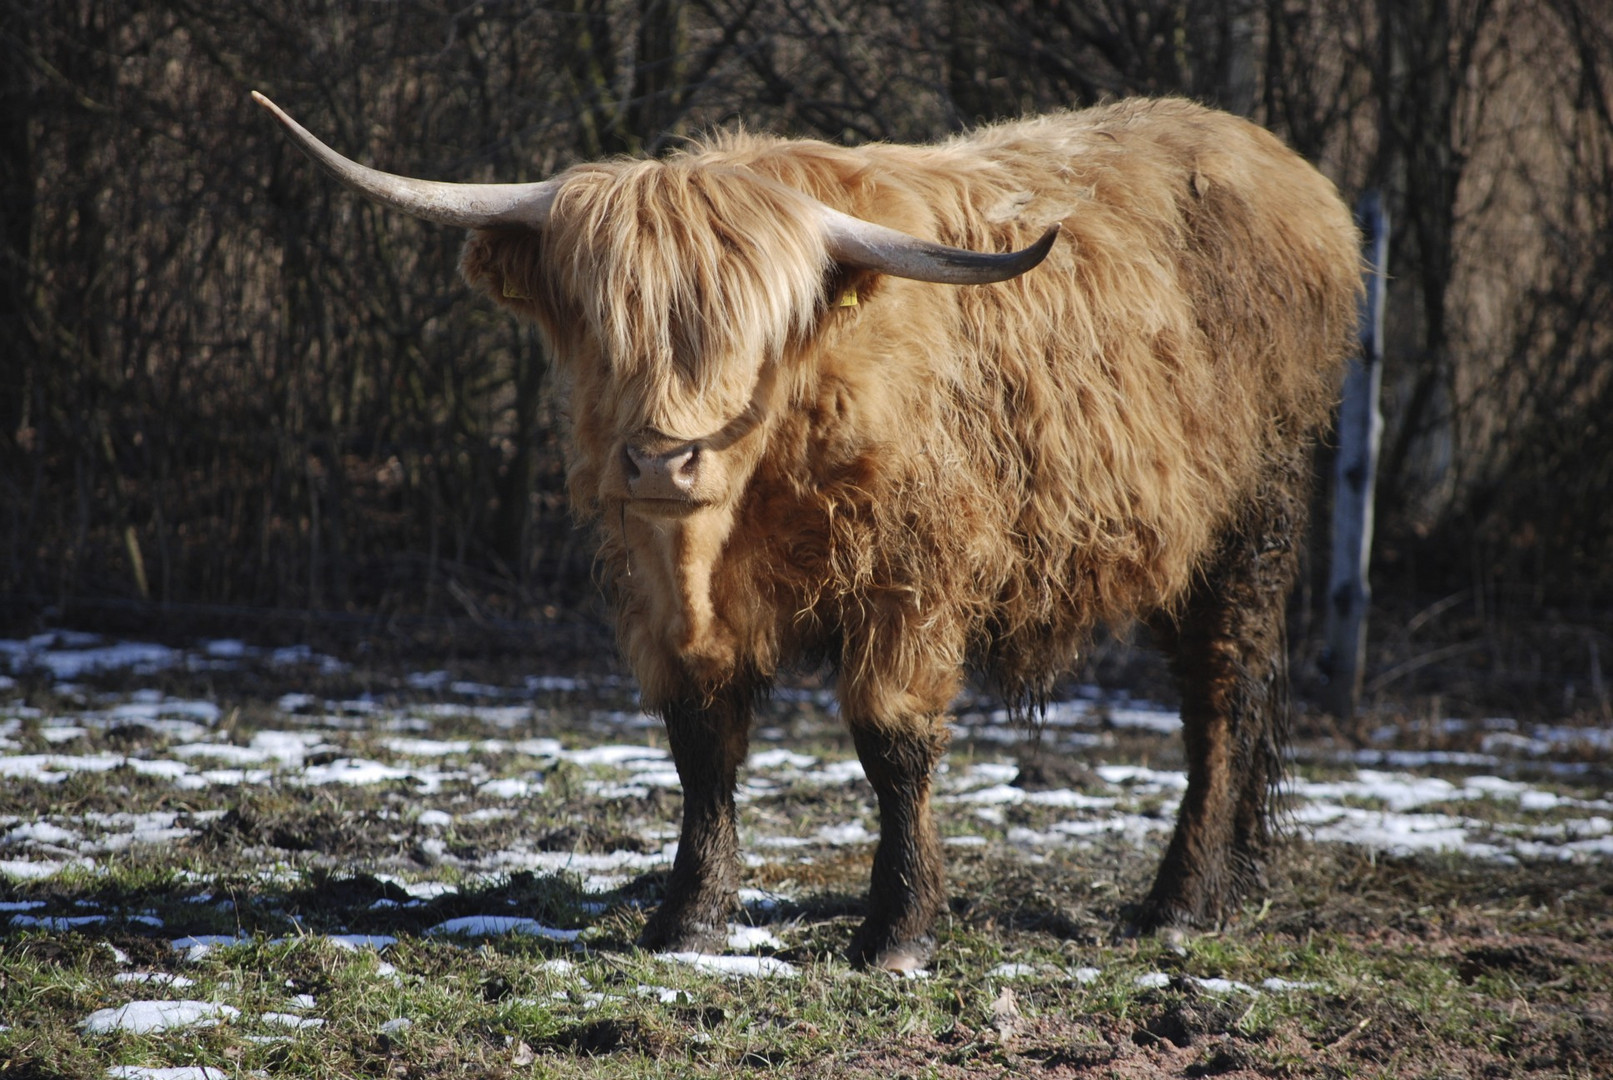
(396, 1026)
(28, 870)
(1012, 971)
(987, 773)
(610, 789)
(854, 832)
(553, 684)
(836, 772)
(510, 788)
(139, 1017)
(615, 754)
(202, 712)
(1223, 986)
(779, 758)
(1065, 798)
(74, 663)
(500, 716)
(415, 747)
(291, 1020)
(356, 772)
(738, 967)
(1142, 777)
(196, 946)
(41, 832)
(1146, 718)
(303, 654)
(53, 768)
(361, 941)
(965, 841)
(997, 795)
(171, 1072)
(746, 938)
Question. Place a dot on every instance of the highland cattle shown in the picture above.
(916, 412)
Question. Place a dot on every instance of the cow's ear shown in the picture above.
(845, 287)
(504, 264)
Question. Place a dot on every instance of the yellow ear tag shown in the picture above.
(513, 293)
(847, 299)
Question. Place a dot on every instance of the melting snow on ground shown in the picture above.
(1380, 801)
(141, 1017)
(321, 743)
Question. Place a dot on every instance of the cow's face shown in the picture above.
(674, 297)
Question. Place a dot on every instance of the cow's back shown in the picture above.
(1034, 457)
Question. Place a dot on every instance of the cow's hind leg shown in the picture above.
(1229, 650)
(709, 740)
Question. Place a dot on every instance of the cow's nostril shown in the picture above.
(630, 463)
(685, 469)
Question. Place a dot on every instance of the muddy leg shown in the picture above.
(708, 743)
(908, 887)
(1230, 657)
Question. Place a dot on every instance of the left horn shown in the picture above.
(471, 206)
(866, 246)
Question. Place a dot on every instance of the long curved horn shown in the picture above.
(866, 246)
(470, 206)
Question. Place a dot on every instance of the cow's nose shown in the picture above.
(670, 474)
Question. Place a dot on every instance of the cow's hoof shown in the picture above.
(1174, 938)
(902, 958)
(1168, 922)
(682, 935)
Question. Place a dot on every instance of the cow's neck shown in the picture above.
(671, 566)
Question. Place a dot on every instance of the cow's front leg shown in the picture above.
(708, 742)
(908, 887)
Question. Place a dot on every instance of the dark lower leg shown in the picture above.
(908, 886)
(1231, 663)
(1195, 883)
(708, 743)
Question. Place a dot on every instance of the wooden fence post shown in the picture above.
(1356, 472)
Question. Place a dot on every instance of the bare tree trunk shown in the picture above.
(1360, 430)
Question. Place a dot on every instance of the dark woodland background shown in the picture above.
(230, 390)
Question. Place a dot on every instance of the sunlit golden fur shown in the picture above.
(937, 477)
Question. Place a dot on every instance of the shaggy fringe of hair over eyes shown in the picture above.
(954, 474)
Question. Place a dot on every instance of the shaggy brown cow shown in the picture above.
(796, 446)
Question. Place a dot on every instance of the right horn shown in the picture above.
(865, 246)
(471, 206)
